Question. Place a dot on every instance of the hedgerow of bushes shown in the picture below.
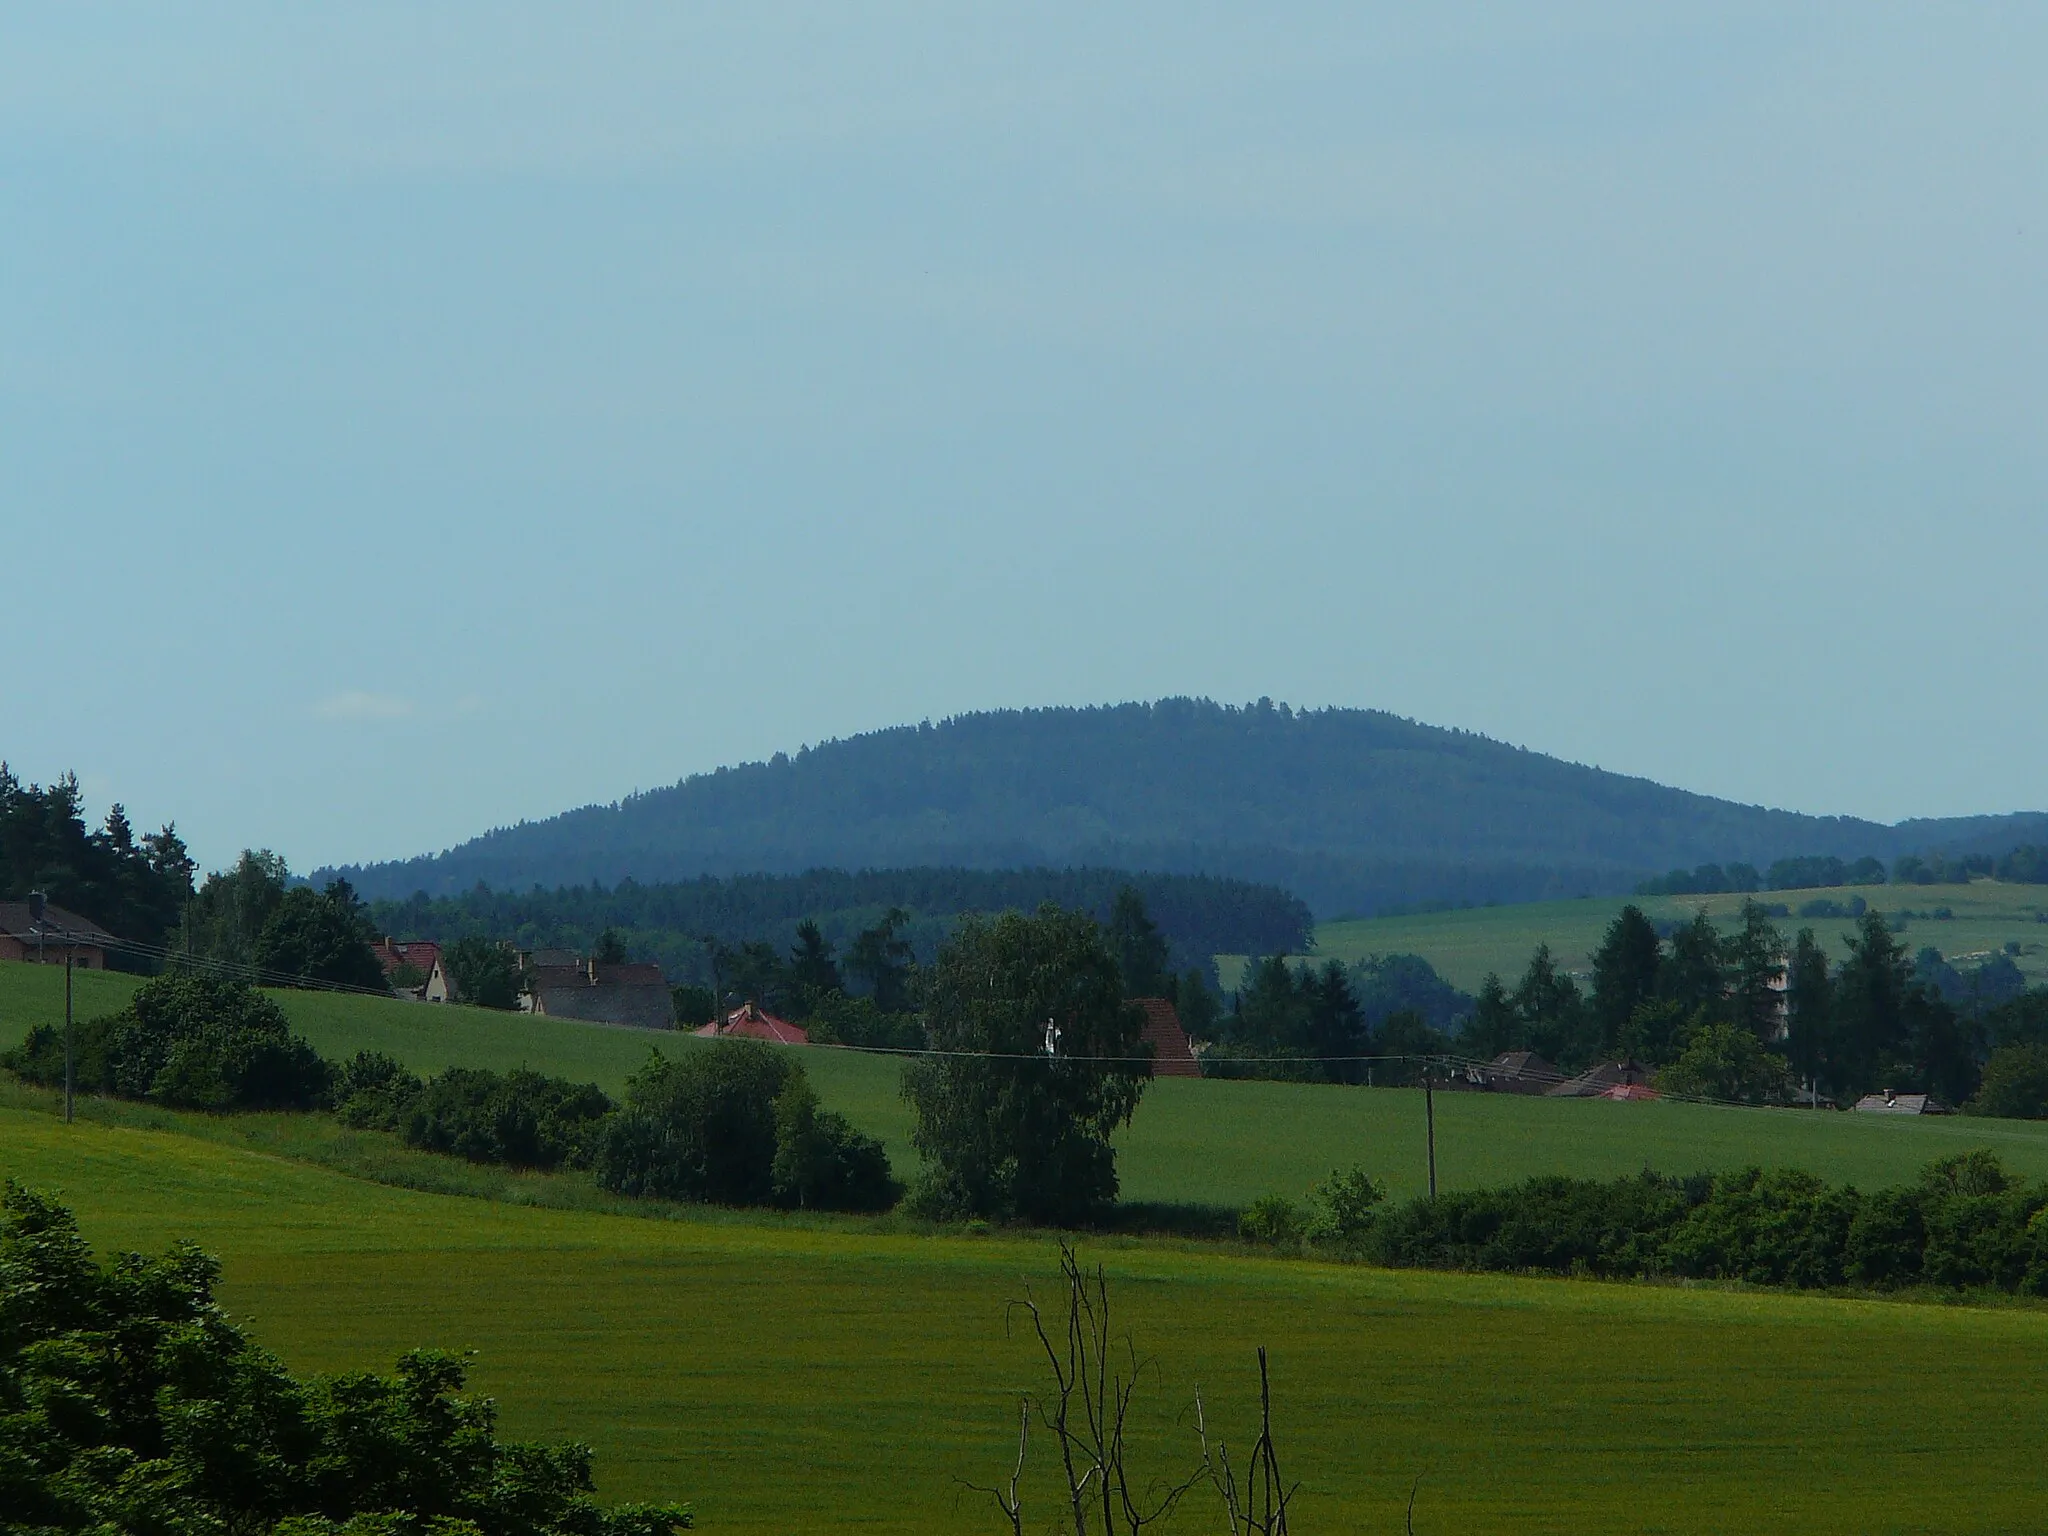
(1965, 1225)
(734, 1123)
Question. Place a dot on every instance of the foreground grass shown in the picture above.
(791, 1378)
(1194, 1143)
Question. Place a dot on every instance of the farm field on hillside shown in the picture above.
(789, 1379)
(1208, 1143)
(1464, 945)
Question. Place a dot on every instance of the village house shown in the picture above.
(23, 938)
(599, 993)
(750, 1021)
(1890, 1103)
(1172, 1055)
(423, 955)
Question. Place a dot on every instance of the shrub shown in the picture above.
(1727, 1061)
(520, 1118)
(1271, 1220)
(2015, 1084)
(188, 1041)
(833, 1018)
(823, 1163)
(128, 1402)
(374, 1092)
(738, 1124)
(1782, 1228)
(1342, 1208)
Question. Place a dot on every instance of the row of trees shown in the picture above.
(2026, 864)
(1200, 915)
(1763, 1009)
(254, 916)
(1325, 1023)
(133, 886)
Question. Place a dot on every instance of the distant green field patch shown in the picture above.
(795, 1380)
(1464, 945)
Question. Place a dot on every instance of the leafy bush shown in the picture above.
(129, 1403)
(521, 1118)
(2015, 1084)
(189, 1041)
(833, 1018)
(374, 1092)
(1271, 1220)
(1781, 1228)
(1342, 1208)
(737, 1124)
(822, 1162)
(1964, 1225)
(1727, 1061)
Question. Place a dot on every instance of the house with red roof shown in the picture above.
(750, 1021)
(1172, 1055)
(424, 955)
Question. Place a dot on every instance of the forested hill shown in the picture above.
(1353, 810)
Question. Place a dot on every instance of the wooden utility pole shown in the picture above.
(1429, 1123)
(68, 1058)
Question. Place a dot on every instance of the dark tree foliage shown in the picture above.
(1552, 1013)
(1140, 948)
(134, 887)
(880, 959)
(129, 1403)
(2014, 1085)
(821, 1162)
(1493, 1025)
(1754, 956)
(1389, 984)
(374, 1092)
(1809, 1008)
(187, 1040)
(1303, 1023)
(1006, 1128)
(226, 917)
(1625, 969)
(812, 966)
(1200, 916)
(1964, 1225)
(1692, 974)
(1706, 880)
(738, 1124)
(610, 948)
(1818, 871)
(319, 938)
(484, 974)
(520, 1118)
(2025, 865)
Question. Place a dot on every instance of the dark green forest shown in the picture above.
(133, 886)
(1199, 917)
(1356, 811)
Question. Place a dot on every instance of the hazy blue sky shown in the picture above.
(417, 417)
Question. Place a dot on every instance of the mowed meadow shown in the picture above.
(824, 1376)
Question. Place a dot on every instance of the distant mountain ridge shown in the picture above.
(1353, 810)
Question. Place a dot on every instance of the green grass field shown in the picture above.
(1194, 1142)
(796, 1379)
(1465, 945)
